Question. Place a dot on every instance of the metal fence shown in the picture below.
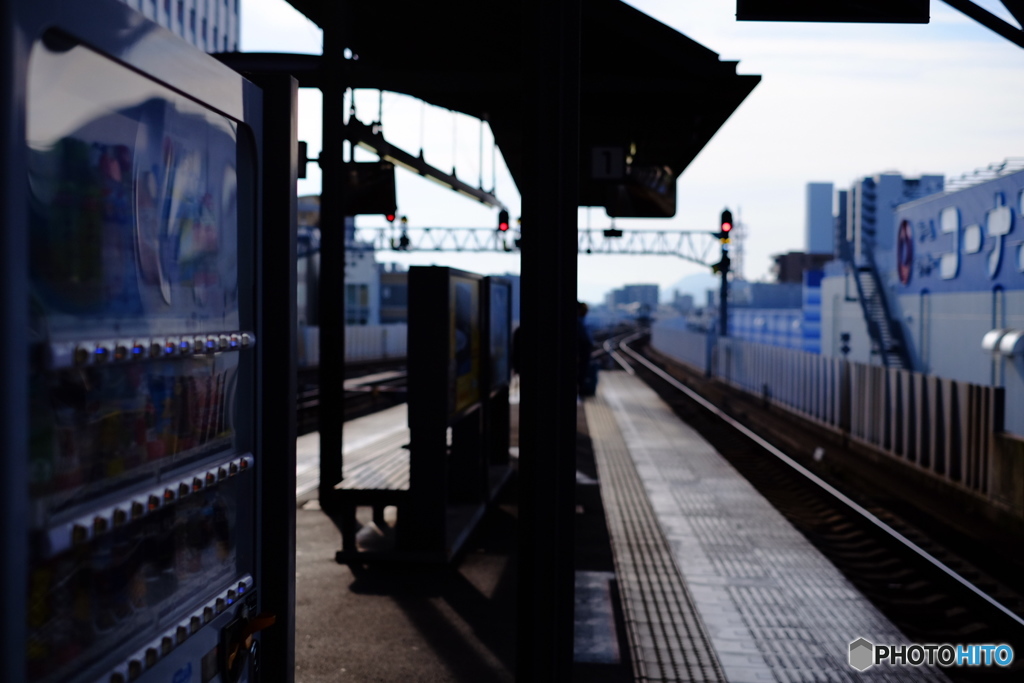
(946, 427)
(691, 348)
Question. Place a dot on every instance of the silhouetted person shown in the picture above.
(586, 377)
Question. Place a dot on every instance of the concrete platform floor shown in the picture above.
(450, 625)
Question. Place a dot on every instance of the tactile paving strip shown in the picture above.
(774, 608)
(667, 640)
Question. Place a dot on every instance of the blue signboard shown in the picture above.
(966, 241)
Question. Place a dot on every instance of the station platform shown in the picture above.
(684, 573)
(716, 584)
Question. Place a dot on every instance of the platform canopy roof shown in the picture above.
(644, 86)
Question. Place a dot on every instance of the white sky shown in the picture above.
(836, 102)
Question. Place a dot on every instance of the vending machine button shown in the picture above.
(170, 347)
(231, 597)
(211, 478)
(82, 356)
(243, 464)
(166, 645)
(120, 352)
(241, 587)
(220, 605)
(117, 677)
(138, 509)
(168, 495)
(79, 534)
(233, 341)
(223, 342)
(134, 669)
(212, 344)
(120, 516)
(185, 346)
(156, 350)
(195, 623)
(247, 340)
(222, 473)
(207, 615)
(184, 489)
(138, 350)
(154, 503)
(197, 484)
(101, 353)
(99, 524)
(181, 635)
(233, 468)
(151, 657)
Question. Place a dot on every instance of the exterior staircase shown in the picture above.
(886, 333)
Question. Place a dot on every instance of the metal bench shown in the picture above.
(377, 477)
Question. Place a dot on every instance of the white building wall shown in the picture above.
(945, 330)
(841, 312)
(361, 270)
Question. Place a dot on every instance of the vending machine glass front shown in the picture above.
(140, 453)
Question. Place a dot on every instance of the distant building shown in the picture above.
(867, 222)
(819, 231)
(682, 302)
(633, 294)
(789, 268)
(871, 207)
(210, 25)
(744, 294)
(394, 294)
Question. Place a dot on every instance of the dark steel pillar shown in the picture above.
(14, 345)
(277, 373)
(547, 433)
(332, 265)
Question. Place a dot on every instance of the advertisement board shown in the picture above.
(966, 241)
(499, 317)
(464, 341)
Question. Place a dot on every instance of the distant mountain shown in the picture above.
(695, 284)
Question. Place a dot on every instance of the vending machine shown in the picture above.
(131, 469)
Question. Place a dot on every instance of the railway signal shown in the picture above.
(503, 224)
(725, 226)
(722, 268)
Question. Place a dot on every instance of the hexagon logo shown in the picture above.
(862, 654)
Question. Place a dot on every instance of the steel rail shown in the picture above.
(818, 481)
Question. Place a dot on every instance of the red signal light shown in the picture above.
(726, 227)
(503, 221)
(390, 217)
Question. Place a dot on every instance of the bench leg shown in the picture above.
(378, 518)
(349, 527)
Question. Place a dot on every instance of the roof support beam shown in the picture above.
(986, 18)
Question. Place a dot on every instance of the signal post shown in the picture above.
(722, 267)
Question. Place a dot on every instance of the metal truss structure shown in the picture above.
(696, 246)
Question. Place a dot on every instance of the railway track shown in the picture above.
(364, 394)
(931, 592)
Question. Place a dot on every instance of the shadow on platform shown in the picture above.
(453, 624)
